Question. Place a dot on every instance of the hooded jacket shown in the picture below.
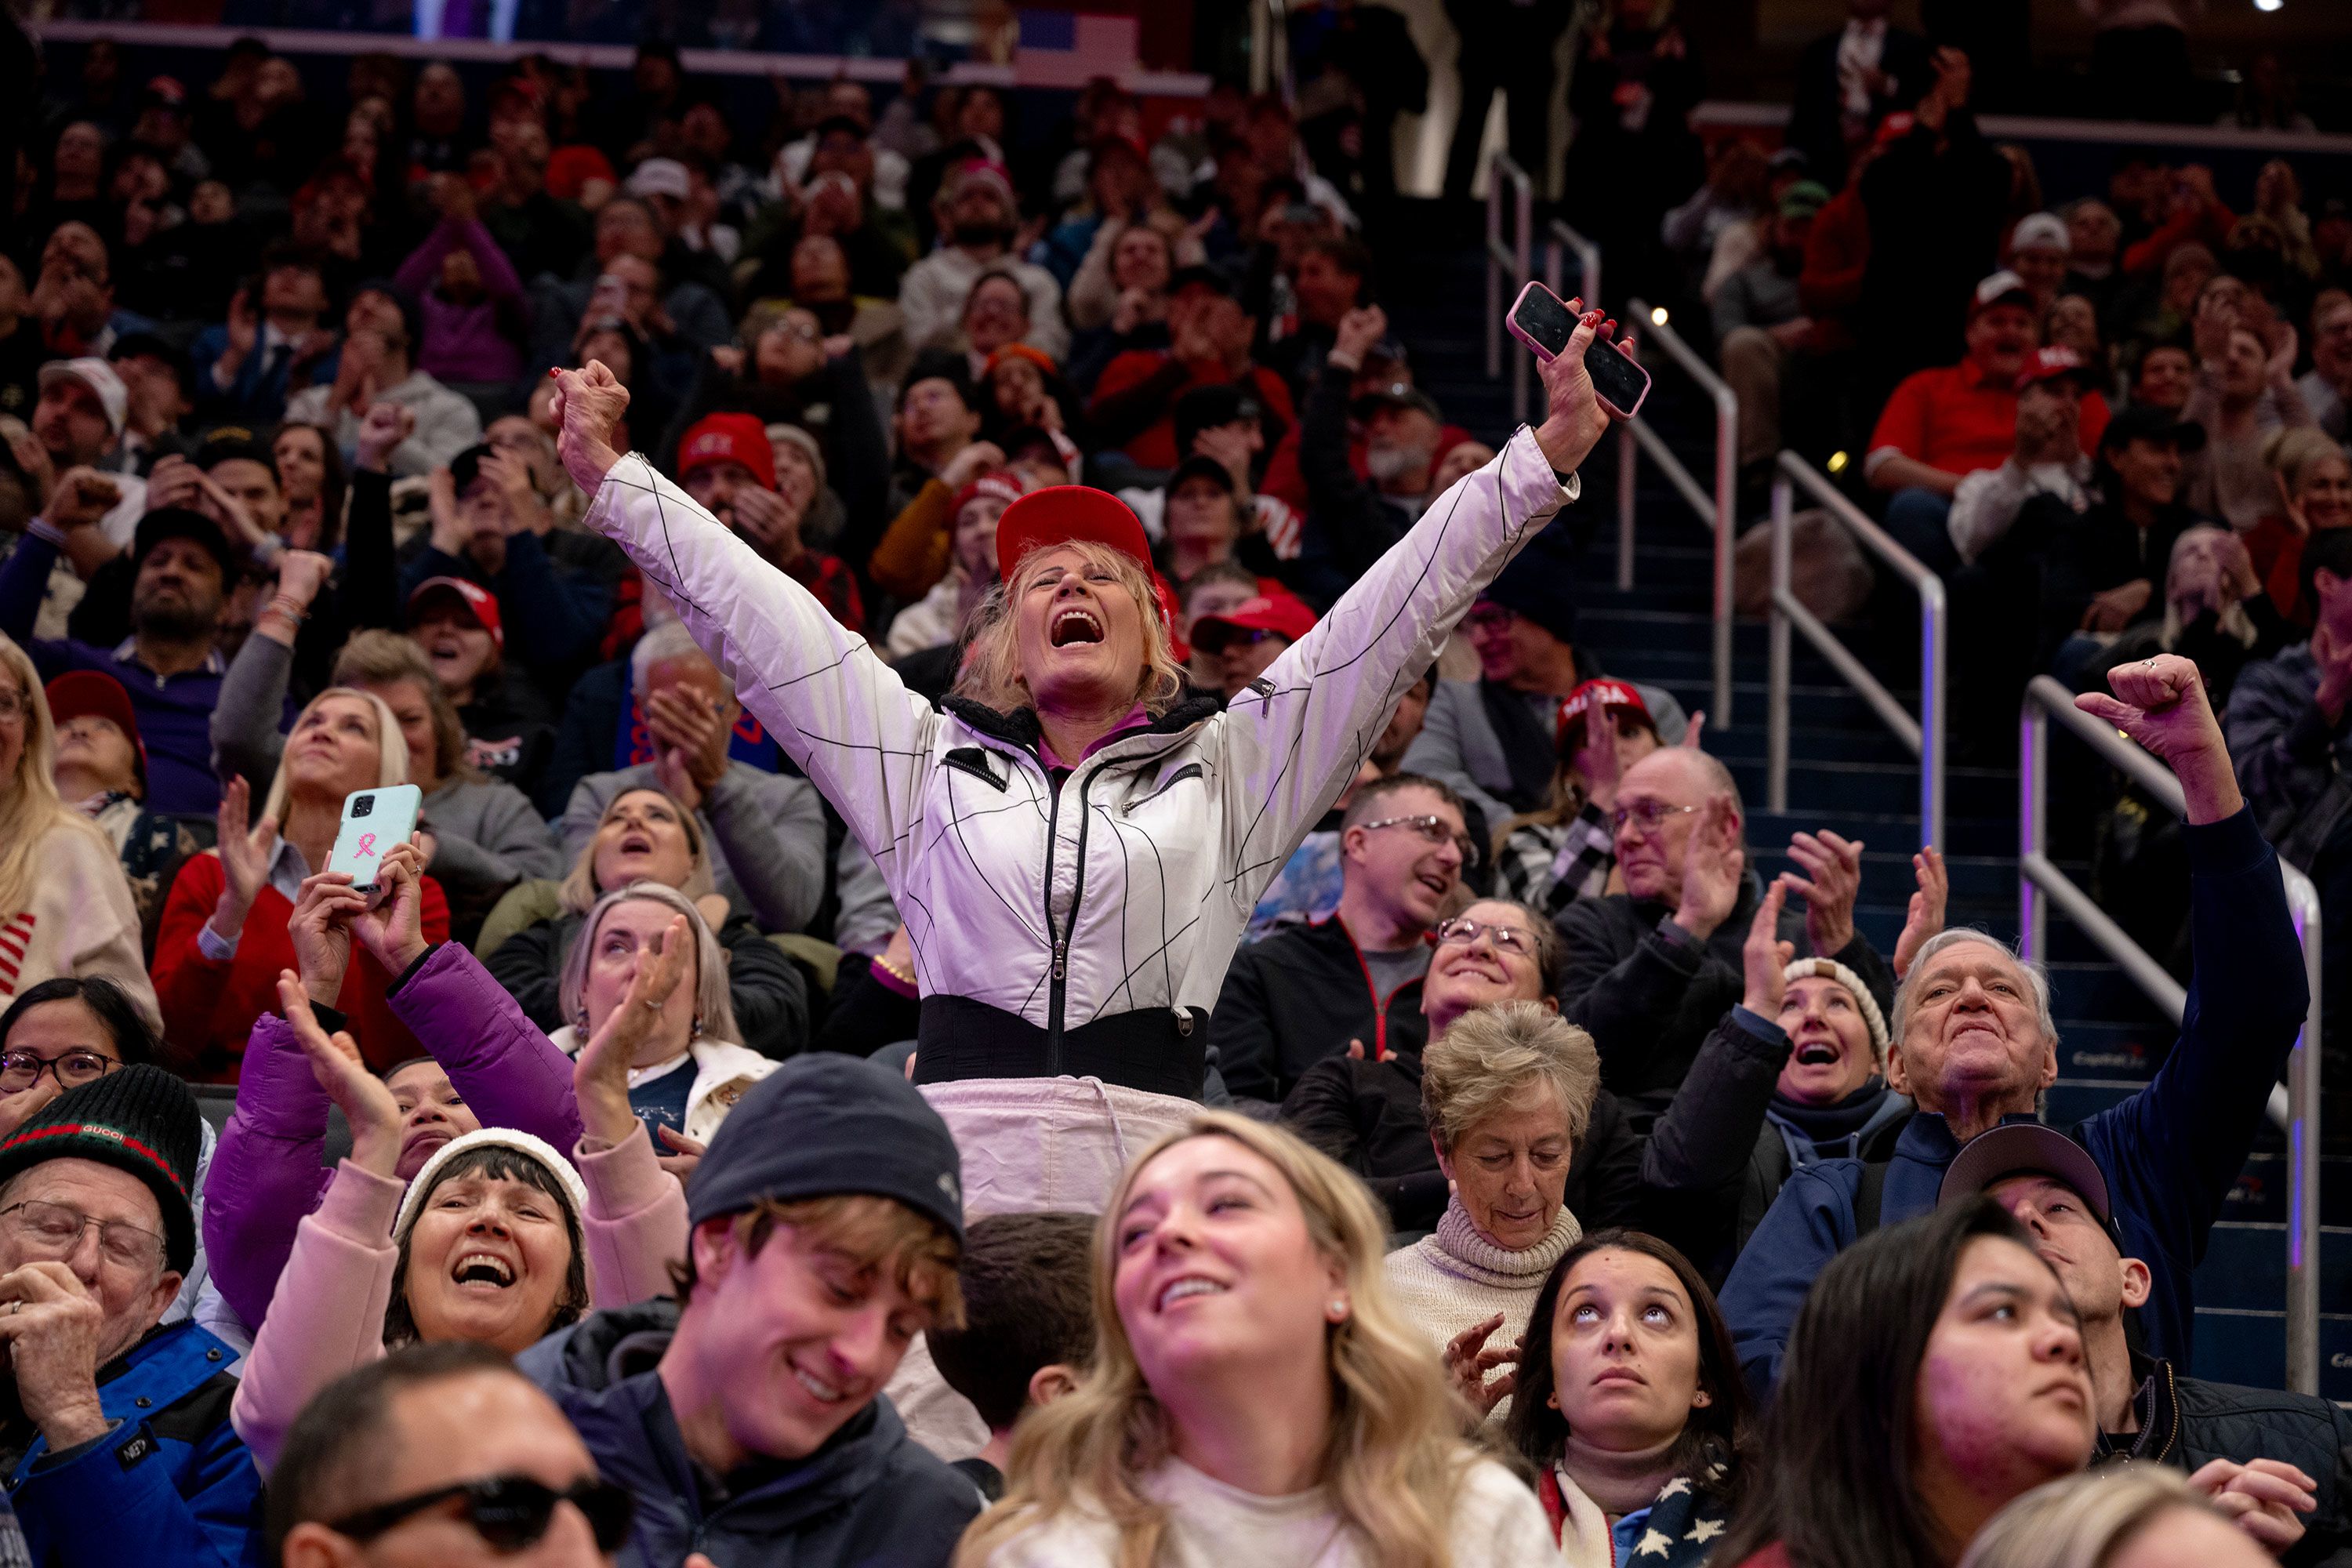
(169, 1485)
(1082, 928)
(869, 1496)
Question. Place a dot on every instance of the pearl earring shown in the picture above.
(1338, 1311)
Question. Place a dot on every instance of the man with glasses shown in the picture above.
(117, 1446)
(1350, 985)
(1652, 969)
(440, 1454)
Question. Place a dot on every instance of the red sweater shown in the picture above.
(209, 1009)
(1156, 448)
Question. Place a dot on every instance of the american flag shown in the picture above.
(1068, 49)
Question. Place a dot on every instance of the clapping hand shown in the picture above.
(1765, 958)
(1831, 883)
(244, 857)
(364, 1098)
(600, 1075)
(1714, 868)
(1927, 914)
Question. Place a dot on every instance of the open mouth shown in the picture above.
(1191, 1285)
(636, 843)
(483, 1270)
(1817, 1053)
(1436, 882)
(1074, 624)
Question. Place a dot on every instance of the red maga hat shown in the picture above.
(1284, 615)
(1609, 694)
(479, 602)
(91, 693)
(728, 437)
(1065, 514)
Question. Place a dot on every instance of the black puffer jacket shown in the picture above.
(2212, 1421)
(1650, 1000)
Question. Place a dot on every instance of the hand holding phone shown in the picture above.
(374, 821)
(1541, 321)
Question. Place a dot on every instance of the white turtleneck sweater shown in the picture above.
(1454, 1277)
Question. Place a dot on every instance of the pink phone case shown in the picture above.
(1511, 322)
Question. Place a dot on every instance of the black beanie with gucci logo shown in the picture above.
(139, 1119)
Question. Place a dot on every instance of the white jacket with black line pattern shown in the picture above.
(1082, 932)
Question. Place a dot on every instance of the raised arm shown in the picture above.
(834, 707)
(1292, 741)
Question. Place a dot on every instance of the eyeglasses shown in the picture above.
(20, 1070)
(511, 1513)
(1649, 816)
(1432, 829)
(1510, 939)
(52, 1231)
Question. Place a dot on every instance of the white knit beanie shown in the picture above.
(575, 1192)
(1830, 969)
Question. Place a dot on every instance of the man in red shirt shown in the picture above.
(1945, 424)
(725, 461)
(1134, 407)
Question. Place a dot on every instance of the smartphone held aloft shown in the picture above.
(374, 821)
(1540, 320)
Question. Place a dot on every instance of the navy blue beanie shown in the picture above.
(1536, 586)
(823, 1126)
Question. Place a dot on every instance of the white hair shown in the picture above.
(667, 641)
(1906, 994)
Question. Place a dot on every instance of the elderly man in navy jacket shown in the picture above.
(1975, 1046)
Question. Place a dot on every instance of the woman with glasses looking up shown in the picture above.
(64, 908)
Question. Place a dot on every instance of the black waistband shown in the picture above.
(1157, 1049)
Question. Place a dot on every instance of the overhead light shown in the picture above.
(1837, 462)
(1657, 315)
(2270, 4)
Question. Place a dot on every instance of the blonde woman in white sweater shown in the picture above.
(65, 908)
(1507, 1091)
(1255, 1396)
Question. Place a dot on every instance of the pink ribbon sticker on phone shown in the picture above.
(366, 849)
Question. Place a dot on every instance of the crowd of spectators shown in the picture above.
(1555, 1172)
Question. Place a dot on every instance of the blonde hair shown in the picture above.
(377, 658)
(391, 748)
(2291, 451)
(2084, 1521)
(1395, 1457)
(580, 890)
(30, 809)
(992, 664)
(1491, 1059)
(714, 1011)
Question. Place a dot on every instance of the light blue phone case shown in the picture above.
(386, 821)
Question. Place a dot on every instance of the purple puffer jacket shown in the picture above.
(266, 1174)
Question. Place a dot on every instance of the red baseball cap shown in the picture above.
(480, 603)
(728, 437)
(1282, 613)
(1005, 487)
(1064, 514)
(2057, 363)
(93, 694)
(1609, 694)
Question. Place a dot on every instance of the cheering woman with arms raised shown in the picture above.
(1075, 852)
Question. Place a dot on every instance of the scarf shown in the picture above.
(1679, 1531)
